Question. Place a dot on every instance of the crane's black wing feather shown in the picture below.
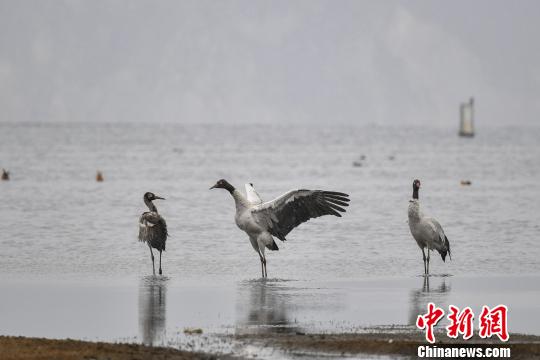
(295, 207)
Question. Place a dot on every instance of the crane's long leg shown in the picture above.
(152, 255)
(424, 257)
(428, 260)
(160, 272)
(264, 262)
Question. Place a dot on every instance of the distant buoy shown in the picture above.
(5, 175)
(357, 164)
(391, 157)
(466, 182)
(99, 176)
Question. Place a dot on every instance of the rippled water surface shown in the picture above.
(57, 220)
(71, 242)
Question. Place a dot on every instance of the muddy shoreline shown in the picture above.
(334, 345)
(22, 348)
(403, 344)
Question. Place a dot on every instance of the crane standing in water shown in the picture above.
(427, 231)
(153, 228)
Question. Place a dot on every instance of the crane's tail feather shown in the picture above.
(272, 246)
(447, 244)
(446, 249)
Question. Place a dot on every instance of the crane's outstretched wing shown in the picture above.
(295, 207)
(153, 230)
(252, 195)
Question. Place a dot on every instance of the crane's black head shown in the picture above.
(150, 196)
(223, 184)
(416, 187)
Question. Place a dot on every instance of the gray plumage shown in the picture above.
(153, 228)
(427, 231)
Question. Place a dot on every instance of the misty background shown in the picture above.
(352, 62)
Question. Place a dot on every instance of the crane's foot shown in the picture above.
(160, 272)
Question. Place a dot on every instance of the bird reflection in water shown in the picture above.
(262, 307)
(436, 292)
(152, 310)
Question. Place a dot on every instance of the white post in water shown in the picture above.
(466, 112)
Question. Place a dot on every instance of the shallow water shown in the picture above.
(71, 265)
(156, 310)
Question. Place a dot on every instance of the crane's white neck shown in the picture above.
(414, 210)
(240, 200)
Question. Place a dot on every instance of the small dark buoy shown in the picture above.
(466, 182)
(357, 163)
(5, 174)
(99, 176)
(193, 331)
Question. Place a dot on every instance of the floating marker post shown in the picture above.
(466, 114)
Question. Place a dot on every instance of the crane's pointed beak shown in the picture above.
(213, 187)
(159, 198)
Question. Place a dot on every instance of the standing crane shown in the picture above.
(153, 228)
(427, 231)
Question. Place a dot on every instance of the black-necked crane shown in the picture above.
(153, 228)
(427, 231)
(262, 221)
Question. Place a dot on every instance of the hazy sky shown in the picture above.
(384, 62)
